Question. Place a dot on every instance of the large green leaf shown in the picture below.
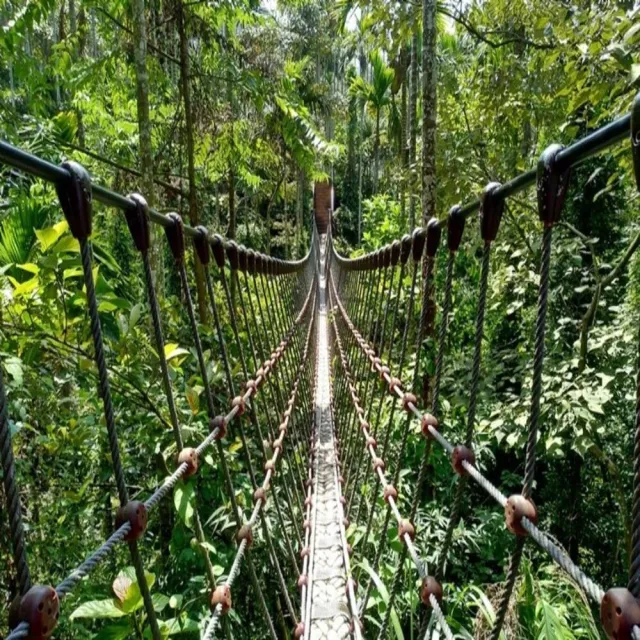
(97, 609)
(382, 590)
(183, 498)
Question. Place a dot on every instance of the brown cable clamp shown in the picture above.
(418, 238)
(409, 399)
(303, 581)
(245, 532)
(378, 463)
(395, 383)
(137, 217)
(364, 425)
(201, 245)
(135, 513)
(491, 210)
(251, 261)
(221, 595)
(434, 233)
(405, 248)
(516, 508)
(39, 607)
(174, 232)
(619, 613)
(635, 138)
(406, 528)
(455, 228)
(429, 421)
(217, 248)
(219, 423)
(390, 492)
(371, 442)
(384, 369)
(459, 455)
(430, 587)
(386, 256)
(395, 252)
(270, 465)
(74, 194)
(260, 495)
(189, 456)
(239, 402)
(242, 258)
(299, 631)
(232, 255)
(305, 552)
(552, 183)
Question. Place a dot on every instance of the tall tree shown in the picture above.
(413, 124)
(194, 218)
(429, 109)
(144, 132)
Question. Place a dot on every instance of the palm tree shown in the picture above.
(376, 95)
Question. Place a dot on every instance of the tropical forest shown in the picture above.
(287, 346)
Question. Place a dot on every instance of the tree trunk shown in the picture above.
(413, 132)
(429, 110)
(403, 149)
(428, 170)
(144, 133)
(376, 152)
(299, 212)
(188, 118)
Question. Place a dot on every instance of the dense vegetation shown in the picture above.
(227, 112)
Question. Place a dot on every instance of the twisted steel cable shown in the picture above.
(14, 506)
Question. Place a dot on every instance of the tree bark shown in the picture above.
(403, 148)
(299, 212)
(413, 132)
(376, 153)
(144, 134)
(188, 118)
(429, 109)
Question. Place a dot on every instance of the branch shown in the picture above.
(482, 35)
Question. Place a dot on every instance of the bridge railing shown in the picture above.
(269, 302)
(372, 338)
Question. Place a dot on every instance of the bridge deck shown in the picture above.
(329, 614)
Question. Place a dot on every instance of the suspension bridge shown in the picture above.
(326, 347)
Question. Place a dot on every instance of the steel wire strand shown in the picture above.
(454, 517)
(591, 588)
(257, 510)
(231, 387)
(400, 452)
(14, 506)
(394, 321)
(276, 397)
(350, 482)
(105, 394)
(427, 286)
(409, 547)
(532, 430)
(634, 568)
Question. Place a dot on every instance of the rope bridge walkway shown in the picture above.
(328, 351)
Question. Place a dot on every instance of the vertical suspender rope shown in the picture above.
(74, 194)
(175, 237)
(552, 188)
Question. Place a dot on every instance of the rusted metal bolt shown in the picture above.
(39, 608)
(135, 513)
(221, 596)
(459, 455)
(619, 613)
(430, 587)
(189, 456)
(429, 421)
(219, 423)
(519, 507)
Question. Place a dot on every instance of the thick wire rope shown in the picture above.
(105, 394)
(532, 428)
(14, 506)
(590, 588)
(406, 538)
(231, 388)
(242, 548)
